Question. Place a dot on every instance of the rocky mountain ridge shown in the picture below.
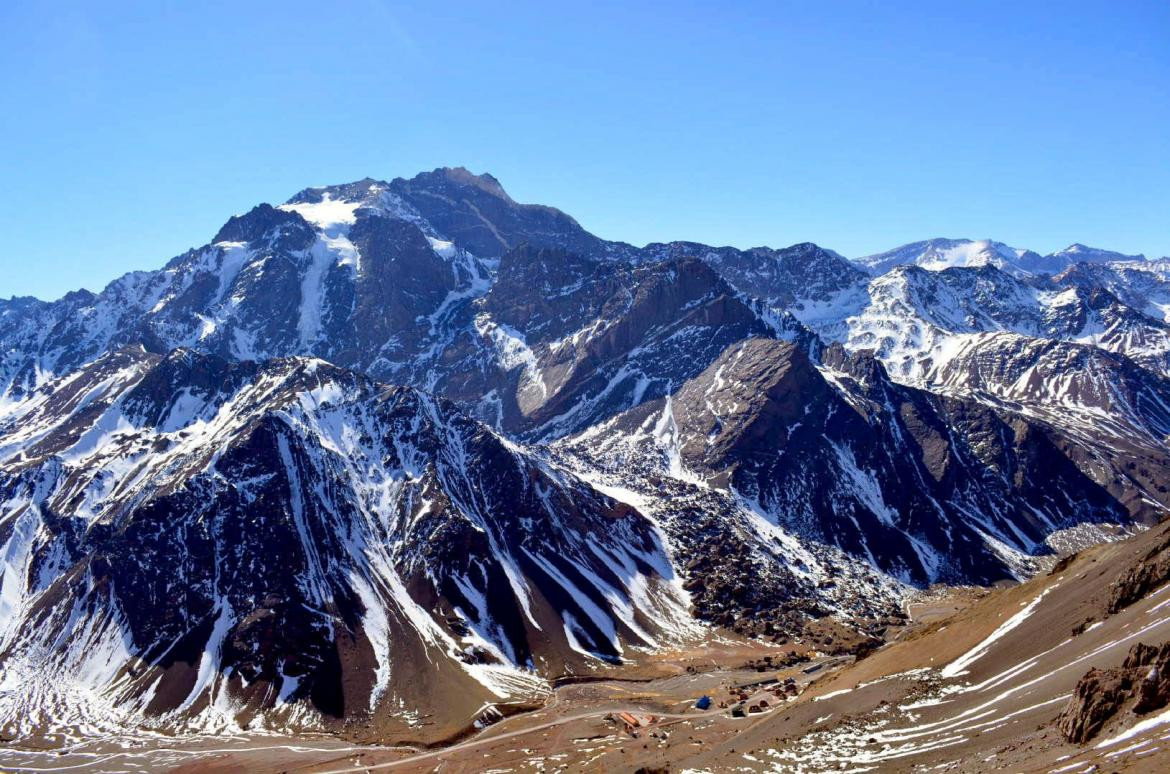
(393, 423)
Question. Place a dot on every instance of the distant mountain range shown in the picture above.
(938, 254)
(402, 452)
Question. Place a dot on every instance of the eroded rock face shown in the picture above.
(316, 536)
(837, 453)
(1140, 685)
(1097, 698)
(797, 278)
(586, 339)
(1138, 581)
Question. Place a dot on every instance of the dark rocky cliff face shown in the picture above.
(319, 537)
(477, 214)
(914, 483)
(604, 337)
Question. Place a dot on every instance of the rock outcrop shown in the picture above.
(1140, 685)
(1138, 581)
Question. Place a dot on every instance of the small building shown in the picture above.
(630, 721)
(703, 702)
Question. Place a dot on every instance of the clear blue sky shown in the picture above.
(131, 131)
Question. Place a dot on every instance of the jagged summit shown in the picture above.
(368, 188)
(461, 176)
(359, 190)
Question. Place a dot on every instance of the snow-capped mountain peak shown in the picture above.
(939, 254)
(1077, 253)
(333, 208)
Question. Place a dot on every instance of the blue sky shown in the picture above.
(131, 131)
